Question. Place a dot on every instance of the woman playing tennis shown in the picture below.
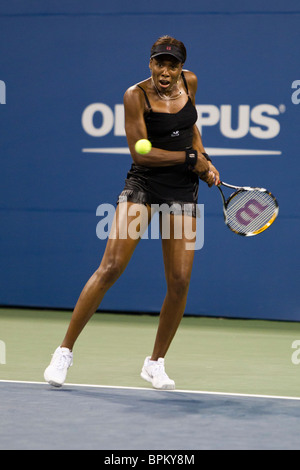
(162, 110)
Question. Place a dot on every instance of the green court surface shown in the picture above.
(207, 354)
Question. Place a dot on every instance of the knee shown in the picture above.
(108, 273)
(178, 284)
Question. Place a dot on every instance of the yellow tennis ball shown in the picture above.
(143, 146)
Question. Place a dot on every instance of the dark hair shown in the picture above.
(171, 41)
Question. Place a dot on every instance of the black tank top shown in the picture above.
(168, 132)
(171, 131)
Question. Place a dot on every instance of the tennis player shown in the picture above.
(161, 109)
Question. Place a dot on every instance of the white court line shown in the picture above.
(196, 392)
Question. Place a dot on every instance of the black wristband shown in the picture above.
(207, 157)
(191, 157)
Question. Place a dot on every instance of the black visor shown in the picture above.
(168, 49)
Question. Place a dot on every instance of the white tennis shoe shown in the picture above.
(154, 372)
(56, 372)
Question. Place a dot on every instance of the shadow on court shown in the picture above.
(37, 416)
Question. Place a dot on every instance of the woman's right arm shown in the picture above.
(135, 129)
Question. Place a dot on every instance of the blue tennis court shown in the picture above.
(36, 416)
(242, 395)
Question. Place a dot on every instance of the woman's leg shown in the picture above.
(178, 261)
(119, 249)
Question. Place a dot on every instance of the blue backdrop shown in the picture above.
(64, 68)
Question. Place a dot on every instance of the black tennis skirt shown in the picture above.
(176, 185)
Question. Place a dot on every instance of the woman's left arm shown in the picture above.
(213, 176)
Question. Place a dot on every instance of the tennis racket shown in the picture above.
(248, 211)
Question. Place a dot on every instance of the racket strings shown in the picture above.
(250, 211)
